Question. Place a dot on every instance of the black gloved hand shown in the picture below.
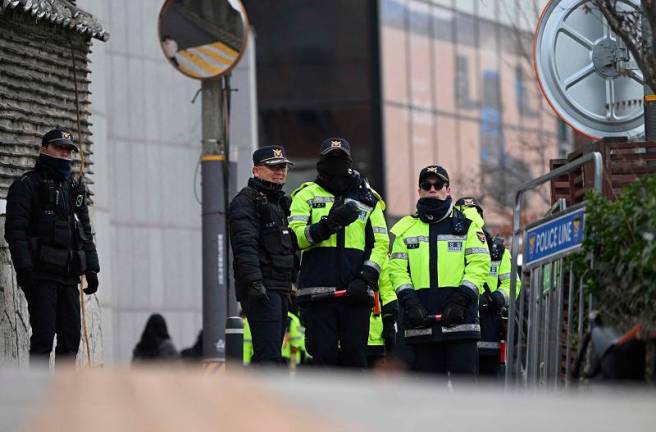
(92, 283)
(390, 314)
(257, 291)
(370, 276)
(414, 313)
(360, 293)
(25, 279)
(486, 300)
(342, 215)
(454, 312)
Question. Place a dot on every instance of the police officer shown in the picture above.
(382, 324)
(494, 301)
(263, 251)
(438, 264)
(339, 225)
(51, 244)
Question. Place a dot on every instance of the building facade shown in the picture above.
(410, 83)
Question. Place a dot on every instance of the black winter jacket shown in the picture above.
(262, 244)
(33, 224)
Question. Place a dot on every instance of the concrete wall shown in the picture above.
(147, 135)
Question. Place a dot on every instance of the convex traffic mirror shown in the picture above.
(203, 39)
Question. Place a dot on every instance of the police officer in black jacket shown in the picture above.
(51, 244)
(263, 252)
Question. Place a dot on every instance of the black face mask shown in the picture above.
(61, 168)
(335, 173)
(329, 166)
(432, 209)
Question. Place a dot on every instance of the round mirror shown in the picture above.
(203, 39)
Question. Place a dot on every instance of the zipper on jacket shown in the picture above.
(432, 251)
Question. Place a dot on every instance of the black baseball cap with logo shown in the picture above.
(434, 170)
(331, 144)
(271, 155)
(59, 137)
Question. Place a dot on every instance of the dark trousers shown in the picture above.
(337, 332)
(458, 357)
(488, 364)
(54, 309)
(267, 320)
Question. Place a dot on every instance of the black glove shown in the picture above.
(257, 291)
(25, 279)
(359, 292)
(390, 314)
(370, 276)
(92, 283)
(414, 313)
(454, 312)
(341, 215)
(494, 300)
(486, 300)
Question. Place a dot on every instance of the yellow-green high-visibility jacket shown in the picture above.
(376, 342)
(294, 338)
(248, 343)
(499, 276)
(434, 260)
(337, 260)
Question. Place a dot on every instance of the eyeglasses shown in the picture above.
(426, 185)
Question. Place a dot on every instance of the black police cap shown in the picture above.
(435, 170)
(331, 144)
(60, 137)
(271, 155)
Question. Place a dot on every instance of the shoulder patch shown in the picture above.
(481, 236)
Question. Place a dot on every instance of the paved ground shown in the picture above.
(196, 400)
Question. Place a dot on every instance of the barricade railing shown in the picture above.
(542, 341)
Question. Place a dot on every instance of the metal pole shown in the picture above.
(649, 96)
(215, 258)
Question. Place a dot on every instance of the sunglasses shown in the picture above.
(426, 185)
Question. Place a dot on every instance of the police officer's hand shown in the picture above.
(257, 291)
(342, 215)
(25, 279)
(390, 315)
(486, 300)
(360, 293)
(454, 312)
(414, 313)
(92, 283)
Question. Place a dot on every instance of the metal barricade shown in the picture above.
(542, 340)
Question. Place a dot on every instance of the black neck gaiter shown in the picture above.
(432, 210)
(59, 168)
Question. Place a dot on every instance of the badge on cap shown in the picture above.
(432, 169)
(66, 135)
(277, 153)
(469, 202)
(336, 144)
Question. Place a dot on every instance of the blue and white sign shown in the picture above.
(554, 237)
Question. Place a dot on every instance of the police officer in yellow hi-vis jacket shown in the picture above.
(339, 226)
(438, 264)
(495, 298)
